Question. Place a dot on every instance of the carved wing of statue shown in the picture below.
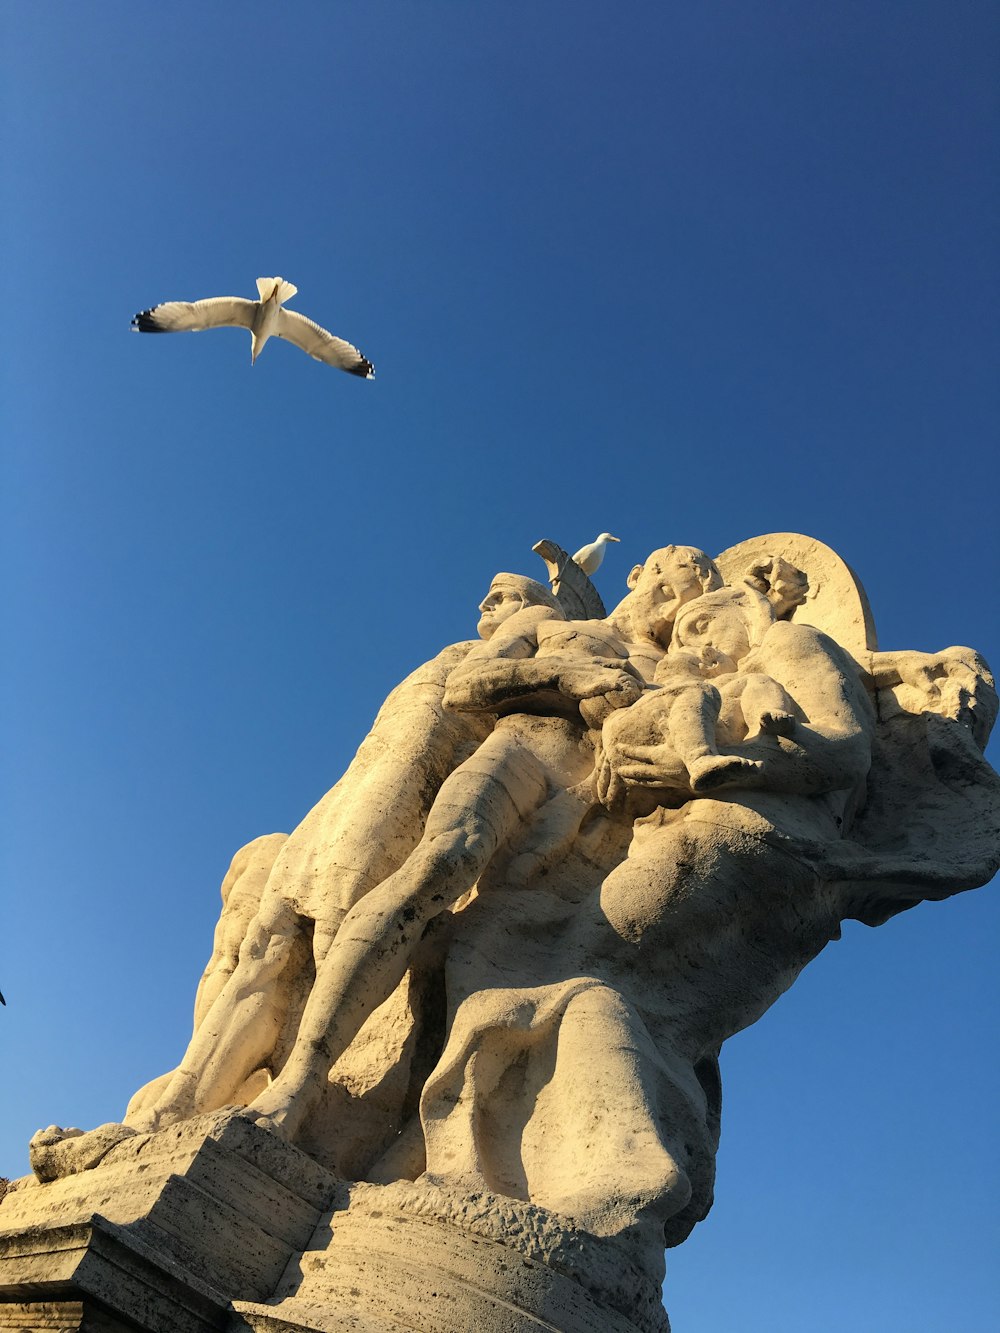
(573, 590)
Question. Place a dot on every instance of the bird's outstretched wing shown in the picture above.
(323, 346)
(218, 312)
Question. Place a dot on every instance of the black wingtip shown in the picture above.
(364, 368)
(145, 322)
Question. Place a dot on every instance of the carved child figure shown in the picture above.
(705, 695)
(711, 638)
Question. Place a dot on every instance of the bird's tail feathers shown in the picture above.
(266, 288)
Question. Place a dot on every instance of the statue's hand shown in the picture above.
(723, 770)
(610, 788)
(624, 764)
(651, 766)
(617, 687)
(597, 709)
(463, 693)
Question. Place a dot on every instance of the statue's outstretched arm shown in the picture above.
(489, 686)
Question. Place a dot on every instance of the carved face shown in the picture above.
(718, 635)
(498, 605)
(669, 578)
(508, 594)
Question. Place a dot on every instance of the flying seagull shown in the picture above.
(589, 557)
(264, 318)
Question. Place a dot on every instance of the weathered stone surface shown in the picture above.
(413, 1256)
(98, 1276)
(165, 1231)
(489, 975)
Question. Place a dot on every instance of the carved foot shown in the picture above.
(283, 1106)
(775, 723)
(57, 1152)
(272, 1110)
(721, 770)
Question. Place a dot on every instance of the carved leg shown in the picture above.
(691, 722)
(237, 1035)
(477, 809)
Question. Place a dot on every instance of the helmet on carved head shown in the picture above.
(508, 594)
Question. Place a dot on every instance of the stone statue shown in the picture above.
(491, 972)
(346, 848)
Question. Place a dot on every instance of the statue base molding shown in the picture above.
(97, 1278)
(218, 1224)
(412, 1256)
(163, 1234)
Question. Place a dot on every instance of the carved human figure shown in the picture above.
(655, 958)
(232, 1040)
(354, 838)
(242, 889)
(701, 699)
(533, 758)
(376, 813)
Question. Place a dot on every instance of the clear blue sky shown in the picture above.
(687, 272)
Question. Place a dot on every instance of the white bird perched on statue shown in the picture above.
(589, 557)
(264, 318)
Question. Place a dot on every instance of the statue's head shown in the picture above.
(721, 627)
(508, 594)
(661, 585)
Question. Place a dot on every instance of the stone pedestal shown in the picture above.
(217, 1224)
(97, 1276)
(409, 1256)
(163, 1235)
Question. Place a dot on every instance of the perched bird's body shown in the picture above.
(265, 319)
(589, 557)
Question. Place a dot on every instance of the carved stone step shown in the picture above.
(162, 1234)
